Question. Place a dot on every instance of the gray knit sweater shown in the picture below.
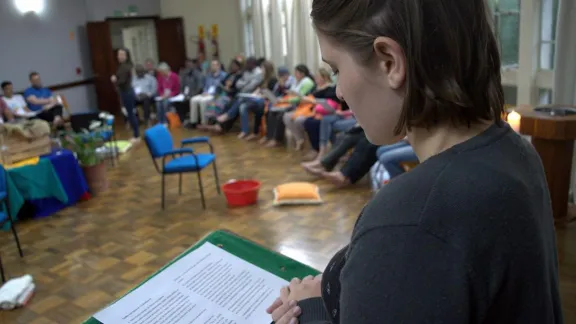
(466, 237)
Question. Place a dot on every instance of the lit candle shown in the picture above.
(514, 120)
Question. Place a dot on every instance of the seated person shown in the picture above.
(42, 102)
(248, 83)
(5, 113)
(223, 96)
(275, 87)
(302, 87)
(145, 87)
(168, 87)
(294, 121)
(214, 79)
(322, 128)
(191, 79)
(15, 102)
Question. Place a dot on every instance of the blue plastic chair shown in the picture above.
(6, 216)
(184, 160)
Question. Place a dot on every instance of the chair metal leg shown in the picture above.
(163, 182)
(2, 276)
(216, 177)
(180, 183)
(13, 228)
(201, 190)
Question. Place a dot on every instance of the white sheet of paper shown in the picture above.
(208, 285)
(211, 89)
(177, 98)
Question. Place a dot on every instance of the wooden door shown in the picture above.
(103, 65)
(171, 42)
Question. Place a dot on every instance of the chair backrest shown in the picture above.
(83, 121)
(159, 141)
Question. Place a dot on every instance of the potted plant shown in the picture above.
(85, 146)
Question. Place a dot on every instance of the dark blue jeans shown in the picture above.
(392, 155)
(255, 106)
(128, 98)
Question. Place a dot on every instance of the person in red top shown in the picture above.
(168, 87)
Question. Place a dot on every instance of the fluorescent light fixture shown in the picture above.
(26, 6)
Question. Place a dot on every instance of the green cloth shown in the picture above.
(271, 261)
(304, 88)
(33, 182)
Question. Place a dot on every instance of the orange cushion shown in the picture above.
(297, 193)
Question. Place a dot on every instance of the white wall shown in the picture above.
(225, 13)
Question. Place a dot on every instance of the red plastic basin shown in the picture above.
(241, 192)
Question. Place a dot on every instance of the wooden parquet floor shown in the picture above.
(87, 256)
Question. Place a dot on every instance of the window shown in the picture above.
(267, 13)
(246, 7)
(507, 28)
(549, 18)
(284, 34)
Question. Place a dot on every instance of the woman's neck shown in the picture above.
(429, 142)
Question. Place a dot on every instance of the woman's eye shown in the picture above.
(335, 72)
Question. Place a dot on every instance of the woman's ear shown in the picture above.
(391, 61)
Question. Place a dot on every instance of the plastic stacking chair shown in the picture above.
(183, 159)
(6, 216)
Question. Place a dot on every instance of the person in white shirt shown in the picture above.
(15, 102)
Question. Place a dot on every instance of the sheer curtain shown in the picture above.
(276, 32)
(302, 41)
(565, 63)
(258, 30)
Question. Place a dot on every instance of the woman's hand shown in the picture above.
(283, 310)
(340, 112)
(287, 313)
(113, 79)
(309, 287)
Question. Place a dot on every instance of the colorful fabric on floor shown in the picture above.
(30, 161)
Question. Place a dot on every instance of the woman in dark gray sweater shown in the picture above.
(468, 235)
(123, 81)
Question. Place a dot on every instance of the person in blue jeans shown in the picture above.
(123, 81)
(390, 156)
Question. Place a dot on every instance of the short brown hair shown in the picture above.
(452, 58)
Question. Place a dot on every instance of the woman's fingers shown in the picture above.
(277, 303)
(308, 278)
(284, 293)
(286, 312)
(290, 317)
(295, 281)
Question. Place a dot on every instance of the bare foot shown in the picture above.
(216, 129)
(311, 164)
(272, 143)
(135, 140)
(242, 135)
(202, 126)
(316, 170)
(222, 118)
(310, 156)
(337, 178)
(263, 140)
(299, 145)
(250, 137)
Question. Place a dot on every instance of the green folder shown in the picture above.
(271, 261)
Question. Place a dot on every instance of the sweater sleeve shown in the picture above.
(306, 87)
(402, 274)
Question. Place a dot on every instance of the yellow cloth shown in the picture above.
(30, 161)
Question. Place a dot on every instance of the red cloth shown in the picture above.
(171, 82)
